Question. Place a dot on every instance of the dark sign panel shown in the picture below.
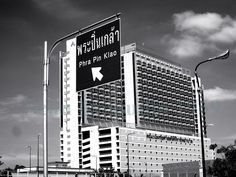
(98, 56)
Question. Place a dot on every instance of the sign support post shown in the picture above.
(45, 111)
(46, 83)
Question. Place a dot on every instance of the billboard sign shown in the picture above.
(98, 56)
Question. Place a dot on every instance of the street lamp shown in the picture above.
(29, 147)
(127, 138)
(47, 55)
(222, 56)
(38, 154)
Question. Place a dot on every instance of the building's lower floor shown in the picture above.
(138, 151)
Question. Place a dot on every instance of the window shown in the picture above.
(86, 134)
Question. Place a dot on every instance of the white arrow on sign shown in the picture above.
(96, 73)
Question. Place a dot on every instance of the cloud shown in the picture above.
(55, 113)
(196, 33)
(13, 100)
(186, 46)
(32, 115)
(16, 131)
(3, 111)
(200, 23)
(234, 50)
(18, 156)
(227, 140)
(226, 34)
(219, 94)
(231, 137)
(26, 116)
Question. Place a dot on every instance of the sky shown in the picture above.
(182, 31)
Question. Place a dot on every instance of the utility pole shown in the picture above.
(45, 111)
(29, 157)
(199, 90)
(47, 55)
(38, 155)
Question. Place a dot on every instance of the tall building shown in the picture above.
(147, 118)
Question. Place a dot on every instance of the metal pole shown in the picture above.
(222, 56)
(128, 153)
(38, 155)
(29, 158)
(201, 129)
(46, 79)
(80, 31)
(45, 112)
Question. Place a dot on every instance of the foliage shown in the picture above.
(7, 172)
(106, 170)
(109, 172)
(18, 167)
(1, 163)
(213, 146)
(226, 166)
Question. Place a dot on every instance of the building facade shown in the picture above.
(153, 94)
(145, 150)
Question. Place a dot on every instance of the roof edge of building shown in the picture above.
(147, 51)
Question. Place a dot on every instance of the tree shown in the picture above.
(1, 163)
(225, 166)
(213, 146)
(7, 172)
(18, 167)
(108, 169)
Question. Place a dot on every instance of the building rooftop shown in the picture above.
(145, 50)
(152, 53)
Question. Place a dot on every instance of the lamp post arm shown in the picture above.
(205, 61)
(196, 74)
(222, 56)
(80, 31)
(57, 42)
(46, 82)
